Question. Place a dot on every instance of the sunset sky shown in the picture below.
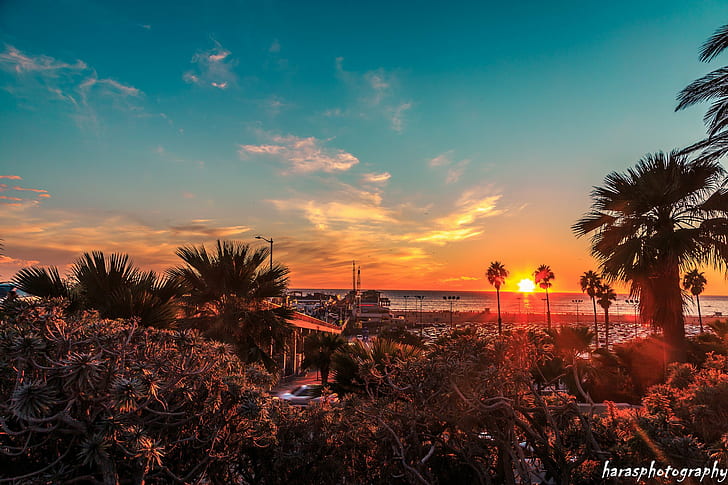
(423, 140)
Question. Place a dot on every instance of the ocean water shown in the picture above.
(513, 302)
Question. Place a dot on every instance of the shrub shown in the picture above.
(94, 400)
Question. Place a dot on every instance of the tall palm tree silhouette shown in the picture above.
(590, 282)
(695, 281)
(661, 217)
(497, 274)
(605, 296)
(542, 277)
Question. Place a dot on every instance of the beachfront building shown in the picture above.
(373, 308)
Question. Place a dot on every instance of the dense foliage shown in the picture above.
(94, 400)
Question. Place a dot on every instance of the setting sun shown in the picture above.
(526, 286)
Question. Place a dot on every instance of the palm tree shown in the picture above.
(542, 277)
(666, 214)
(711, 87)
(224, 293)
(695, 282)
(358, 365)
(590, 282)
(605, 296)
(111, 285)
(318, 349)
(497, 274)
(569, 343)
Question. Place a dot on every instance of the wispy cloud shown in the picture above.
(302, 155)
(375, 178)
(460, 278)
(275, 47)
(6, 262)
(442, 159)
(323, 215)
(455, 170)
(11, 177)
(57, 237)
(471, 207)
(207, 230)
(375, 94)
(274, 104)
(75, 84)
(340, 206)
(213, 68)
(26, 197)
(464, 222)
(22, 63)
(396, 116)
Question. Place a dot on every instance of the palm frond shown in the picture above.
(42, 282)
(715, 44)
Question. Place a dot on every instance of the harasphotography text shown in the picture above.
(714, 472)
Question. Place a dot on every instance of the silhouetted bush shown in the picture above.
(93, 400)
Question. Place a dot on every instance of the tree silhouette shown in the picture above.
(605, 296)
(590, 282)
(224, 292)
(661, 217)
(542, 277)
(695, 282)
(318, 348)
(111, 284)
(497, 274)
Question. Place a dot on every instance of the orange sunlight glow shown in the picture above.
(526, 286)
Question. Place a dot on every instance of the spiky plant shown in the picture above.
(91, 400)
(111, 285)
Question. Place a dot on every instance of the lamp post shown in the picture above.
(452, 300)
(420, 298)
(405, 309)
(577, 309)
(636, 304)
(271, 248)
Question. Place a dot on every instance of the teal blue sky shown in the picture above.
(423, 140)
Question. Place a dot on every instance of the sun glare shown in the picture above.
(526, 286)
